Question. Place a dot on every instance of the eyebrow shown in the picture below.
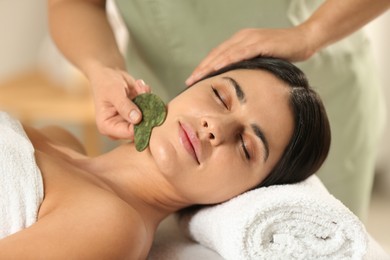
(256, 129)
(239, 93)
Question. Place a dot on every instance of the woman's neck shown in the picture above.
(134, 177)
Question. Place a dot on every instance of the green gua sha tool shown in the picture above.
(153, 114)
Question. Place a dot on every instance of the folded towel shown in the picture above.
(21, 185)
(296, 221)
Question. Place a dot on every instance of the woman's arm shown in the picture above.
(81, 30)
(331, 22)
(83, 224)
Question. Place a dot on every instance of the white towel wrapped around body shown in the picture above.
(21, 185)
(299, 221)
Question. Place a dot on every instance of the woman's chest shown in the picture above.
(64, 182)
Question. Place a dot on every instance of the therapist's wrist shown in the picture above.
(312, 38)
(93, 67)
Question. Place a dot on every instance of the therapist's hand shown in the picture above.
(113, 91)
(291, 44)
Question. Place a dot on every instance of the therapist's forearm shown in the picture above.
(336, 19)
(82, 32)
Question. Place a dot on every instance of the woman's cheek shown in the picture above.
(163, 154)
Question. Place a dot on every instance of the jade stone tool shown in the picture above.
(153, 114)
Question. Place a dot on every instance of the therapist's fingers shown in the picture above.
(230, 51)
(237, 52)
(221, 49)
(119, 122)
(142, 86)
(113, 124)
(241, 51)
(290, 44)
(207, 65)
(137, 86)
(125, 106)
(118, 128)
(115, 112)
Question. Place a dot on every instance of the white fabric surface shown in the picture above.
(171, 244)
(299, 221)
(21, 185)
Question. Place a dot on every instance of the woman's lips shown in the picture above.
(189, 140)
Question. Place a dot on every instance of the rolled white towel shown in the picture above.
(296, 221)
(21, 185)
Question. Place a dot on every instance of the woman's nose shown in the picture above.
(218, 130)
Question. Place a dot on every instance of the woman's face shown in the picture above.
(223, 135)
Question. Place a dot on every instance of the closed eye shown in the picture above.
(244, 148)
(216, 93)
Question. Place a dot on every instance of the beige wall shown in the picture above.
(23, 26)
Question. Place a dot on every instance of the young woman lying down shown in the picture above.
(254, 123)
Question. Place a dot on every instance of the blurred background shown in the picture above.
(40, 87)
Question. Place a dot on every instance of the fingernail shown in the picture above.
(134, 116)
(189, 81)
(142, 82)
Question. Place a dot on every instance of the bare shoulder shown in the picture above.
(54, 134)
(63, 136)
(105, 230)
